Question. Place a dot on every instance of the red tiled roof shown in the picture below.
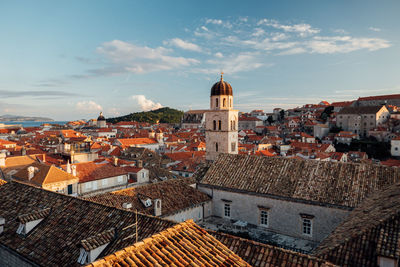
(6, 142)
(185, 244)
(179, 156)
(176, 195)
(90, 171)
(379, 97)
(136, 141)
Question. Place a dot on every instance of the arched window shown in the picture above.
(216, 147)
(234, 125)
(215, 125)
(219, 125)
(224, 102)
(216, 102)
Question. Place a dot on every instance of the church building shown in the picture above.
(101, 121)
(221, 122)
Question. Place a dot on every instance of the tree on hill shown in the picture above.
(162, 115)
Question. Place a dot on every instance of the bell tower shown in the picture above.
(221, 122)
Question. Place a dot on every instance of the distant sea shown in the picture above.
(32, 123)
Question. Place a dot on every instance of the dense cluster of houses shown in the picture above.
(92, 193)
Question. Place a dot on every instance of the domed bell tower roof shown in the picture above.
(221, 88)
(101, 117)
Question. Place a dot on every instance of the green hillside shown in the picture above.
(162, 115)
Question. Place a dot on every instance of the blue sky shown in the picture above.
(72, 59)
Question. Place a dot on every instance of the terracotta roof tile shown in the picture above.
(185, 244)
(44, 174)
(371, 230)
(35, 215)
(360, 110)
(136, 141)
(335, 183)
(175, 194)
(379, 97)
(260, 255)
(55, 241)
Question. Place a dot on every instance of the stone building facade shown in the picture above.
(360, 120)
(280, 215)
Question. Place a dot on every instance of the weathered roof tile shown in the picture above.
(318, 182)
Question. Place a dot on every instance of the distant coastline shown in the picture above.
(8, 117)
(32, 123)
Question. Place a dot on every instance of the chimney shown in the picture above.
(72, 156)
(115, 161)
(2, 222)
(31, 172)
(44, 158)
(157, 207)
(68, 167)
(2, 159)
(139, 164)
(126, 205)
(73, 170)
(23, 151)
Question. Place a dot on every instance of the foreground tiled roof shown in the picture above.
(341, 184)
(371, 230)
(57, 239)
(185, 244)
(262, 255)
(32, 216)
(2, 182)
(176, 195)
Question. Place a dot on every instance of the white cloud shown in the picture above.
(214, 21)
(128, 57)
(225, 24)
(279, 37)
(233, 64)
(146, 104)
(345, 44)
(219, 55)
(302, 29)
(183, 44)
(293, 51)
(113, 111)
(204, 32)
(374, 29)
(258, 32)
(88, 107)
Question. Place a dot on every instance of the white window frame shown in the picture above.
(307, 221)
(227, 211)
(264, 215)
(120, 179)
(104, 182)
